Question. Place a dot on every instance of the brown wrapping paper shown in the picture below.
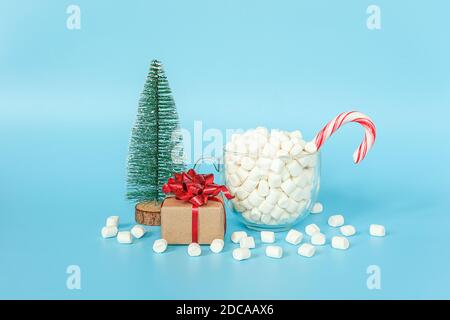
(176, 222)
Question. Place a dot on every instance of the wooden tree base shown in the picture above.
(148, 213)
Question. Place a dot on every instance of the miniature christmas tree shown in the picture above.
(156, 147)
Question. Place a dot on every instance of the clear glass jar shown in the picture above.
(272, 193)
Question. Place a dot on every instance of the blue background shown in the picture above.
(68, 101)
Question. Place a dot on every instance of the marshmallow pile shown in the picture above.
(271, 174)
(111, 230)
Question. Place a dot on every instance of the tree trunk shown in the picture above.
(148, 213)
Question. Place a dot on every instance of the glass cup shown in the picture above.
(272, 193)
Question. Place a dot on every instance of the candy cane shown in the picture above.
(343, 118)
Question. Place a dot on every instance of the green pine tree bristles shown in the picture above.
(156, 146)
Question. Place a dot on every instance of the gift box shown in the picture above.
(178, 224)
(195, 211)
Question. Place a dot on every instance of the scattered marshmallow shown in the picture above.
(294, 237)
(194, 249)
(247, 242)
(112, 221)
(318, 239)
(339, 242)
(317, 208)
(138, 231)
(306, 250)
(274, 252)
(267, 236)
(241, 254)
(238, 235)
(336, 220)
(311, 229)
(377, 230)
(109, 232)
(160, 245)
(217, 245)
(124, 237)
(348, 230)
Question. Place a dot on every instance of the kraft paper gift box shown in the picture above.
(177, 217)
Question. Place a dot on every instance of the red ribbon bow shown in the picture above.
(196, 189)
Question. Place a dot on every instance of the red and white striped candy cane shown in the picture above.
(343, 118)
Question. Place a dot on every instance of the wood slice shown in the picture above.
(148, 213)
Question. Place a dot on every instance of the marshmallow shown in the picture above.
(262, 131)
(285, 175)
(109, 232)
(311, 229)
(283, 155)
(283, 202)
(296, 134)
(160, 245)
(255, 199)
(292, 206)
(288, 186)
(267, 237)
(294, 237)
(298, 194)
(246, 204)
(310, 147)
(269, 151)
(317, 208)
(194, 249)
(306, 250)
(296, 150)
(274, 180)
(241, 254)
(124, 237)
(264, 163)
(241, 194)
(300, 181)
(255, 214)
(294, 168)
(348, 230)
(112, 221)
(318, 239)
(247, 163)
(256, 174)
(377, 230)
(274, 196)
(249, 185)
(277, 212)
(277, 165)
(242, 173)
(336, 220)
(266, 218)
(273, 140)
(247, 242)
(253, 149)
(217, 245)
(341, 243)
(266, 207)
(287, 145)
(238, 235)
(263, 188)
(246, 214)
(138, 231)
(274, 252)
(234, 180)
